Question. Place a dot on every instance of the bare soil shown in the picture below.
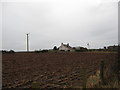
(61, 70)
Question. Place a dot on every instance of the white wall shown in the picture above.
(62, 47)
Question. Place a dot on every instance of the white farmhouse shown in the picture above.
(65, 47)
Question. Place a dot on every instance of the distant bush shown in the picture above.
(44, 51)
(5, 51)
(11, 51)
(55, 48)
(100, 49)
(62, 50)
(37, 51)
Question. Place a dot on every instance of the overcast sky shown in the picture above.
(51, 22)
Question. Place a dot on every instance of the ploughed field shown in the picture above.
(61, 69)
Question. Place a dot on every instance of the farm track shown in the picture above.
(50, 70)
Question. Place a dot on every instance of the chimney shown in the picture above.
(61, 43)
(67, 44)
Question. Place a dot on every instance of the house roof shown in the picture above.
(66, 45)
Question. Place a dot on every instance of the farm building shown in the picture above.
(65, 47)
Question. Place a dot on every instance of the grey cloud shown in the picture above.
(50, 23)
